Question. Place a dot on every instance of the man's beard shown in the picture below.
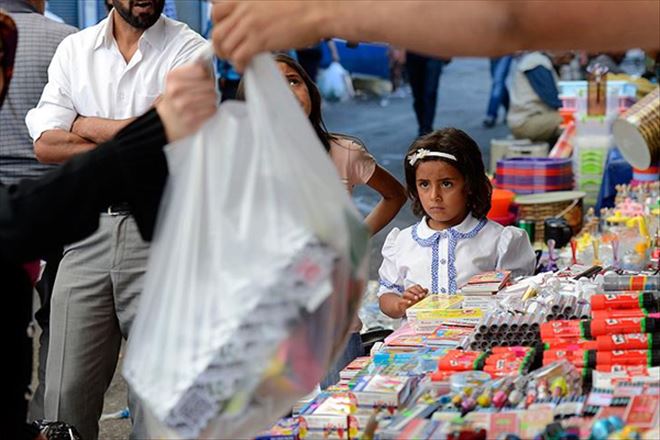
(141, 21)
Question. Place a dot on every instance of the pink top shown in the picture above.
(353, 162)
(355, 167)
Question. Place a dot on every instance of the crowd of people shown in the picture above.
(101, 103)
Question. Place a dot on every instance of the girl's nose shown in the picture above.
(436, 193)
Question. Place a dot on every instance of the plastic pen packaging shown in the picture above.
(631, 282)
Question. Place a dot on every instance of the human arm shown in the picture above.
(98, 130)
(63, 206)
(49, 123)
(393, 198)
(443, 28)
(395, 305)
(543, 83)
(58, 146)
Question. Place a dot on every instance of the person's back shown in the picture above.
(534, 99)
(38, 40)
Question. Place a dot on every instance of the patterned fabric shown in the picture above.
(434, 242)
(8, 37)
(39, 38)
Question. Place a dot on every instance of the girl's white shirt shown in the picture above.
(442, 261)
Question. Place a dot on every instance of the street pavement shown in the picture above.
(387, 127)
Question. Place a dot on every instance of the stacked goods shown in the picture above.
(500, 362)
(534, 175)
(619, 336)
(480, 289)
(504, 328)
(567, 307)
(378, 390)
(434, 310)
(589, 157)
(330, 416)
(352, 369)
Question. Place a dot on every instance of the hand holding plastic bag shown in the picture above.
(256, 270)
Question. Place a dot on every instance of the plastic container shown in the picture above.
(500, 200)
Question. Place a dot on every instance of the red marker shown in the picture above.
(571, 344)
(458, 360)
(579, 358)
(646, 301)
(628, 357)
(630, 370)
(600, 327)
(618, 313)
(573, 329)
(632, 341)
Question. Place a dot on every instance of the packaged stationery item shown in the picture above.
(434, 303)
(381, 390)
(487, 282)
(284, 429)
(329, 416)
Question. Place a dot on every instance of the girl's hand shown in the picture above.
(411, 296)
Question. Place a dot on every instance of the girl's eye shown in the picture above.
(447, 184)
(293, 82)
(423, 184)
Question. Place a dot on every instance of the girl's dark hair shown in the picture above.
(315, 97)
(469, 163)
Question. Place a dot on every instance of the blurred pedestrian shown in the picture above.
(499, 94)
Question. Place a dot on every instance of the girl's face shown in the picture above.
(442, 192)
(297, 85)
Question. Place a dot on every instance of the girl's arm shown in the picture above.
(393, 198)
(392, 305)
(395, 306)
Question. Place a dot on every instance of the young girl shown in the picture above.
(353, 162)
(449, 189)
(354, 165)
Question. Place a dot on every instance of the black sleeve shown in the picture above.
(63, 206)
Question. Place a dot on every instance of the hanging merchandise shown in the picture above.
(255, 275)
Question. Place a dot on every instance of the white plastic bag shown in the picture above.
(255, 274)
(335, 83)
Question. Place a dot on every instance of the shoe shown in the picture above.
(489, 122)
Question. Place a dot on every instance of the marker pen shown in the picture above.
(618, 313)
(600, 327)
(570, 344)
(632, 300)
(628, 357)
(565, 329)
(631, 341)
